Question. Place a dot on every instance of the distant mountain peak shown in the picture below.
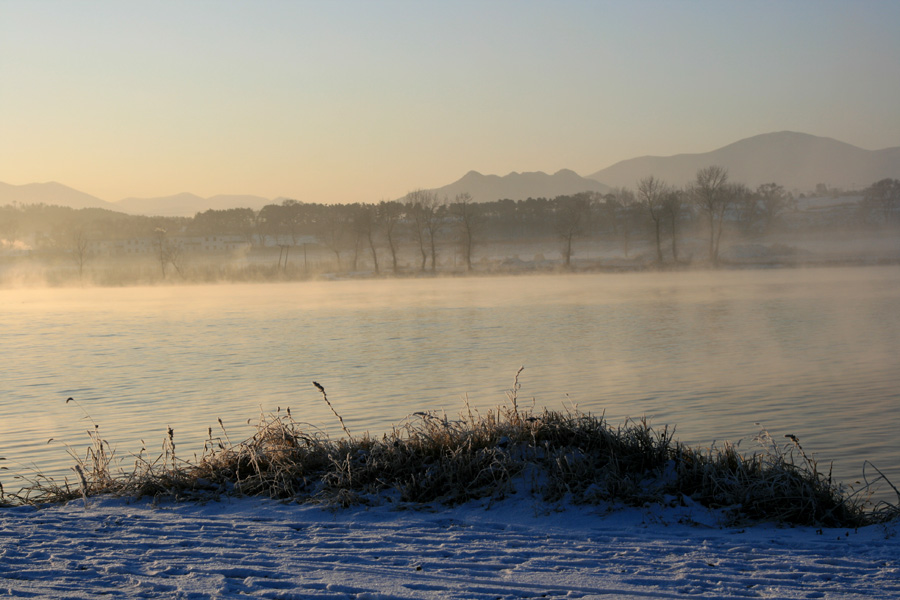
(798, 161)
(519, 186)
(50, 193)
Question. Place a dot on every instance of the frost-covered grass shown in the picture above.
(554, 455)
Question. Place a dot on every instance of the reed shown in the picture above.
(558, 456)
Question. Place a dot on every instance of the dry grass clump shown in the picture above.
(100, 472)
(562, 455)
(428, 459)
(769, 485)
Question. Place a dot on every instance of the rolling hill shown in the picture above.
(519, 186)
(798, 161)
(50, 193)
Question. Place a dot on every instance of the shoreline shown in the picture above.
(519, 268)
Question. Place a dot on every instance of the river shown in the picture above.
(719, 355)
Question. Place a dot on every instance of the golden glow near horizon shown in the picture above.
(360, 101)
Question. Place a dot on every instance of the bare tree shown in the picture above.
(571, 221)
(168, 252)
(159, 243)
(389, 214)
(426, 211)
(334, 230)
(673, 205)
(414, 201)
(357, 232)
(741, 197)
(176, 257)
(748, 212)
(294, 215)
(80, 250)
(278, 222)
(652, 192)
(710, 194)
(774, 202)
(468, 223)
(618, 209)
(284, 251)
(365, 222)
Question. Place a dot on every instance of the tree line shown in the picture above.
(654, 212)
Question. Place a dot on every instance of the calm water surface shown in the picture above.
(814, 353)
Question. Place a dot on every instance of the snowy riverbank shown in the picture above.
(514, 549)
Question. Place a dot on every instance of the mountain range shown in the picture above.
(797, 161)
(179, 205)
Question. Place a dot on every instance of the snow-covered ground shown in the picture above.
(514, 549)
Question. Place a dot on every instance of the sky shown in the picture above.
(359, 101)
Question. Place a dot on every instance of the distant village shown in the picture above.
(216, 244)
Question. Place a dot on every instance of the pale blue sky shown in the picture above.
(359, 101)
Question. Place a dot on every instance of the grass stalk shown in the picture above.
(430, 458)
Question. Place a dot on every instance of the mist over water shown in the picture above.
(812, 353)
